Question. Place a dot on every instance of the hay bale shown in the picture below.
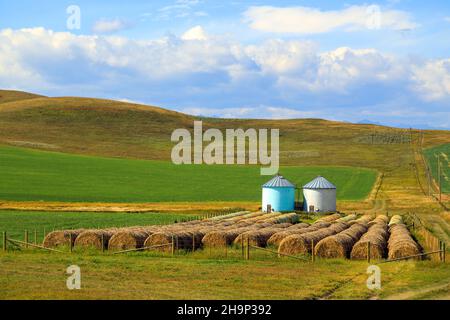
(396, 220)
(377, 235)
(329, 218)
(93, 238)
(259, 237)
(348, 218)
(132, 238)
(60, 238)
(301, 243)
(222, 238)
(183, 240)
(340, 245)
(301, 228)
(401, 244)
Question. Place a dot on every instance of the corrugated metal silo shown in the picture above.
(278, 195)
(319, 196)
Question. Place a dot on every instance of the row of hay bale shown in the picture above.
(377, 236)
(401, 244)
(296, 229)
(340, 245)
(301, 243)
(329, 218)
(187, 235)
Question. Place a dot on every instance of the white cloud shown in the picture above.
(109, 26)
(305, 20)
(196, 33)
(432, 80)
(180, 9)
(218, 73)
(447, 19)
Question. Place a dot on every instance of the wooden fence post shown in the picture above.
(173, 246)
(368, 252)
(248, 249)
(5, 239)
(70, 243)
(193, 242)
(443, 252)
(313, 254)
(26, 239)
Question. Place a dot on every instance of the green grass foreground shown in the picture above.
(31, 274)
(30, 175)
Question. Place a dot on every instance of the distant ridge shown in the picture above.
(12, 95)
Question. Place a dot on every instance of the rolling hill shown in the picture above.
(105, 128)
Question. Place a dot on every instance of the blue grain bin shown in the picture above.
(278, 195)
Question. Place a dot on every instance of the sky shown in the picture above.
(384, 62)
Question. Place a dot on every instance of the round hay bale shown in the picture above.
(396, 220)
(301, 244)
(340, 245)
(61, 238)
(329, 218)
(182, 240)
(377, 235)
(259, 237)
(348, 218)
(129, 239)
(401, 244)
(222, 238)
(276, 238)
(93, 238)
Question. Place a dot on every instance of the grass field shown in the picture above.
(16, 222)
(30, 175)
(444, 152)
(200, 276)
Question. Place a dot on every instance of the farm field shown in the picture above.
(16, 222)
(444, 152)
(37, 275)
(31, 175)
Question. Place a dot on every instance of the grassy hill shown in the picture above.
(116, 129)
(11, 95)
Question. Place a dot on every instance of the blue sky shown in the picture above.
(385, 61)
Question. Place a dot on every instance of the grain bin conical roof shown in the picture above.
(319, 183)
(279, 182)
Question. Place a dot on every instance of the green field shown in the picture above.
(16, 222)
(444, 152)
(30, 175)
